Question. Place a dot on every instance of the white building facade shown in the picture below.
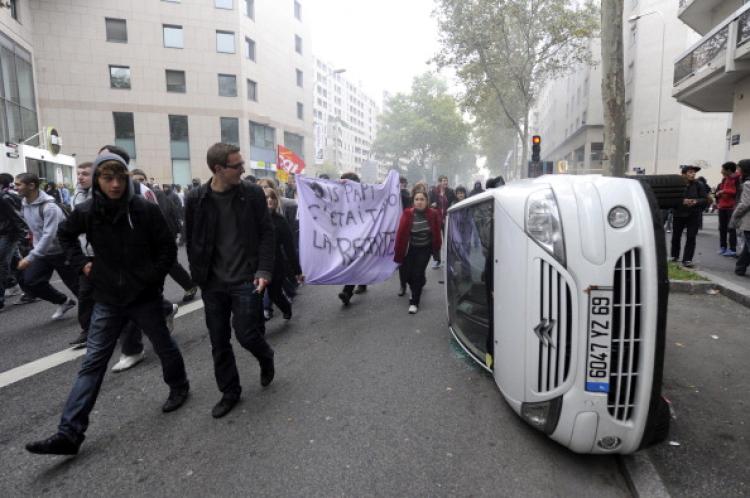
(166, 79)
(713, 74)
(661, 133)
(345, 121)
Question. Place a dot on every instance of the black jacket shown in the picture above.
(695, 190)
(11, 223)
(134, 249)
(287, 260)
(255, 224)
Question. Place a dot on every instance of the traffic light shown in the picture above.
(536, 148)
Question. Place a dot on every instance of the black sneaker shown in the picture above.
(80, 341)
(25, 299)
(190, 294)
(345, 298)
(266, 374)
(224, 406)
(287, 316)
(402, 291)
(361, 289)
(176, 399)
(59, 444)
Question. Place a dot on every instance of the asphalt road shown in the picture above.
(367, 401)
(705, 378)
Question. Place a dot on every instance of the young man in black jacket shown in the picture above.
(688, 216)
(230, 246)
(133, 251)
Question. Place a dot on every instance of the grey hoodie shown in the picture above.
(44, 228)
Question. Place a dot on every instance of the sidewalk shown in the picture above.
(706, 259)
(705, 378)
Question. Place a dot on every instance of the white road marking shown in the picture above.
(42, 364)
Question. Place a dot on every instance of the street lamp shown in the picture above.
(633, 19)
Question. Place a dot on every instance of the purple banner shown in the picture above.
(348, 230)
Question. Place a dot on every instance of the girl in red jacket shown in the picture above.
(417, 239)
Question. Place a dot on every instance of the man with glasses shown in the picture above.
(230, 245)
(133, 253)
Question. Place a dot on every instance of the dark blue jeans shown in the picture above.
(744, 257)
(240, 308)
(106, 323)
(8, 248)
(35, 279)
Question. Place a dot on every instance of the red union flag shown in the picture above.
(288, 161)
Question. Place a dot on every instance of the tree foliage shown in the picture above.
(507, 49)
(424, 129)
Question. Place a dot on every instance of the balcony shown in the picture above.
(699, 14)
(705, 75)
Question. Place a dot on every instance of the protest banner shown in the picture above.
(348, 230)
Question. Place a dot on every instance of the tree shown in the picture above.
(423, 128)
(511, 48)
(613, 86)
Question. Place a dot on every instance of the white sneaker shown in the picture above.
(413, 309)
(267, 314)
(436, 265)
(128, 361)
(13, 291)
(64, 308)
(170, 319)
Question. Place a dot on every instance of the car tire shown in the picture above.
(668, 189)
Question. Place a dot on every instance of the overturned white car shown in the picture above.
(558, 286)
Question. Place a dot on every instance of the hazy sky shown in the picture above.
(382, 43)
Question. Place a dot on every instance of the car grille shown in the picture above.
(554, 328)
(626, 336)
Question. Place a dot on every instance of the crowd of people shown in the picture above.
(114, 240)
(730, 200)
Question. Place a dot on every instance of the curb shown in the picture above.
(713, 282)
(641, 476)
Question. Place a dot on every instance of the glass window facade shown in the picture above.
(297, 44)
(252, 90)
(295, 142)
(173, 37)
(250, 49)
(175, 81)
(230, 131)
(248, 7)
(18, 118)
(227, 85)
(125, 131)
(117, 30)
(300, 110)
(180, 148)
(225, 42)
(119, 77)
(297, 10)
(300, 78)
(262, 143)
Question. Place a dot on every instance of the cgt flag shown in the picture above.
(348, 230)
(288, 161)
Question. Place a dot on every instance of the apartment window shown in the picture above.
(297, 44)
(224, 4)
(249, 7)
(300, 110)
(173, 36)
(18, 119)
(300, 78)
(179, 145)
(13, 5)
(295, 142)
(297, 10)
(249, 48)
(117, 30)
(227, 85)
(119, 77)
(175, 81)
(262, 143)
(252, 90)
(225, 42)
(125, 131)
(230, 131)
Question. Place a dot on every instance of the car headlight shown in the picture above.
(619, 217)
(543, 223)
(543, 415)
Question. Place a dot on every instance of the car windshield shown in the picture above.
(470, 276)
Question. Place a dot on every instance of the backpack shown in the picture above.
(66, 210)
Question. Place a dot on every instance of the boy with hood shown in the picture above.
(43, 217)
(134, 252)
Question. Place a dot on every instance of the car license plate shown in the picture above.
(600, 340)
